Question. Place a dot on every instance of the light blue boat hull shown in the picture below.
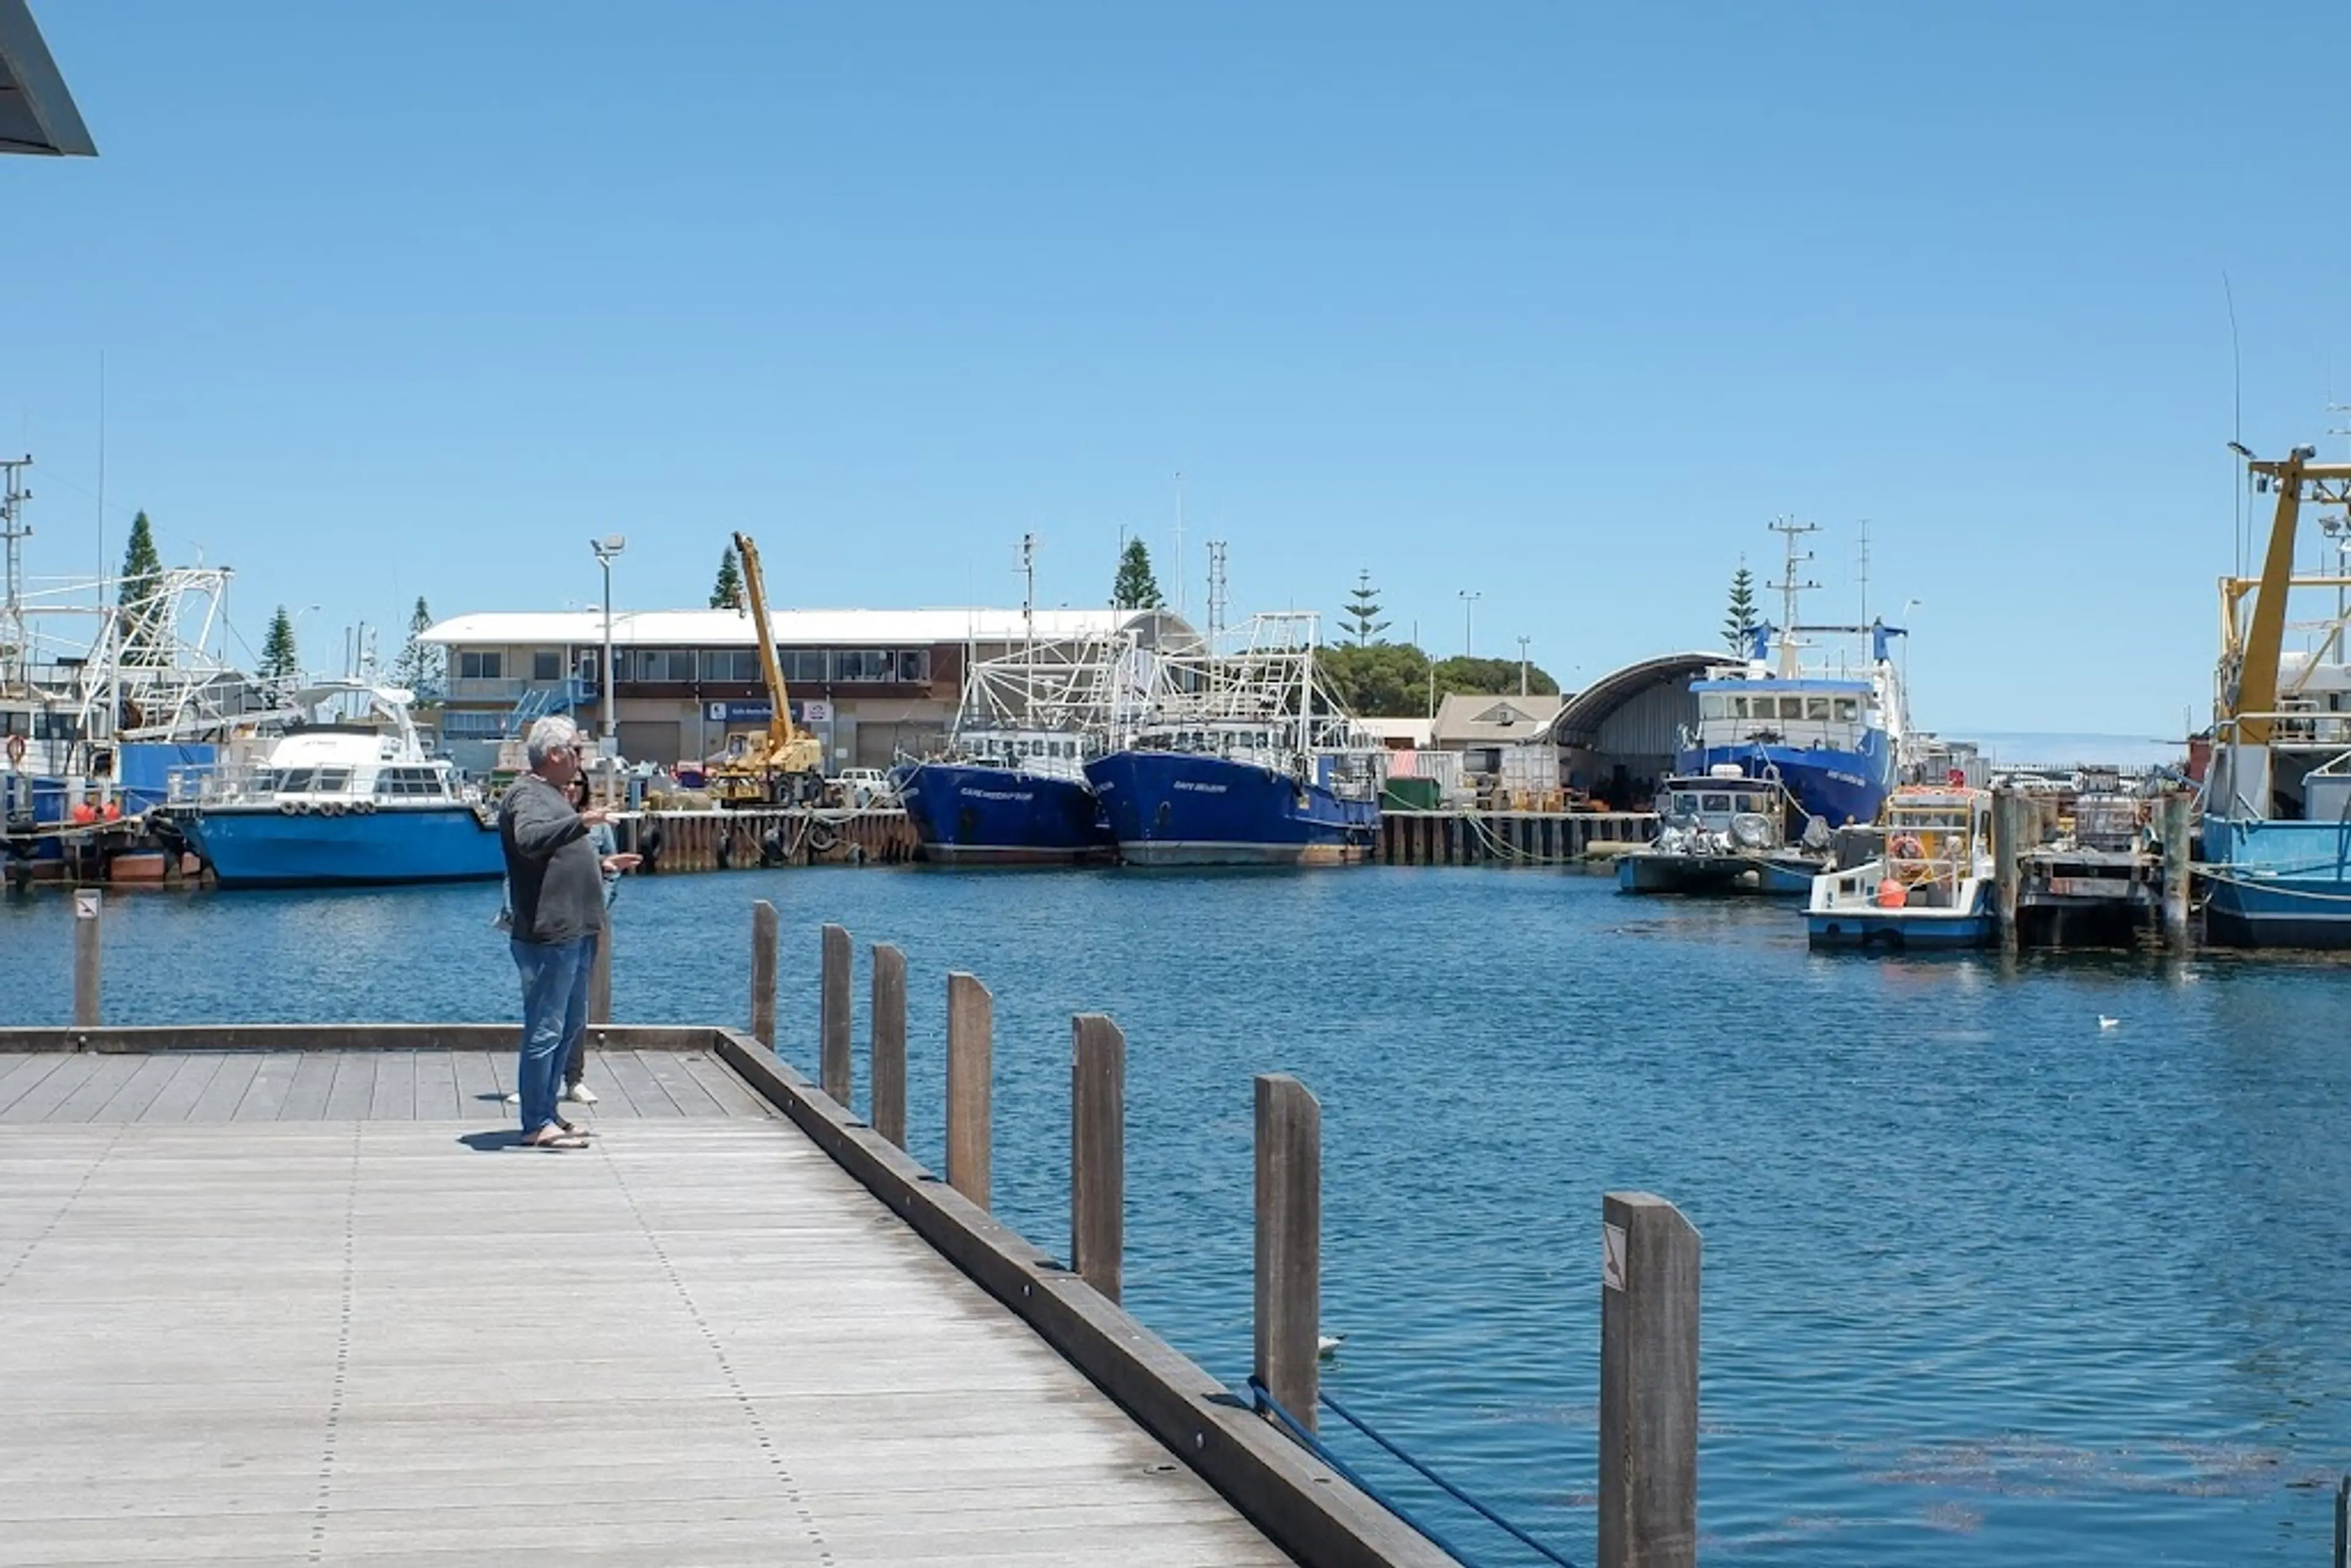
(1648, 870)
(2277, 883)
(267, 848)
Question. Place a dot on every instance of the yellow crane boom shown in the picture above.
(780, 734)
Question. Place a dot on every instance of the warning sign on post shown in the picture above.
(1612, 1255)
(85, 904)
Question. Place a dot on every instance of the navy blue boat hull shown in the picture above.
(1171, 807)
(1000, 816)
(1842, 786)
(267, 848)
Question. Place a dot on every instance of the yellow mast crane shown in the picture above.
(2252, 709)
(792, 757)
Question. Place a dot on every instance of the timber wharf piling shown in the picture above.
(790, 1342)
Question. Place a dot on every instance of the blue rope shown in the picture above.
(1267, 1404)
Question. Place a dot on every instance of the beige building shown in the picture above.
(872, 684)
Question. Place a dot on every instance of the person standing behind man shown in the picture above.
(607, 855)
(555, 881)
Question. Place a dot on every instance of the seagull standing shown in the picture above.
(2106, 1022)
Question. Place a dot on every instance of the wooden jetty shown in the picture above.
(285, 1293)
(1506, 838)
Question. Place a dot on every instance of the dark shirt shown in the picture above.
(555, 883)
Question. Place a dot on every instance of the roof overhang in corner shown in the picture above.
(36, 112)
(1578, 723)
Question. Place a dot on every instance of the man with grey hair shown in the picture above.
(555, 883)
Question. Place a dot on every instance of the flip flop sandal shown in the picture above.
(559, 1141)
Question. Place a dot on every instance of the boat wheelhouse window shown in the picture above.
(1791, 707)
(56, 727)
(1713, 705)
(333, 781)
(480, 665)
(1717, 803)
(293, 781)
(1685, 804)
(1848, 709)
(1816, 709)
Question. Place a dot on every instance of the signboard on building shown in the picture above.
(815, 710)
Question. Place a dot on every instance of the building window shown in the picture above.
(740, 664)
(861, 664)
(480, 665)
(547, 664)
(456, 724)
(804, 666)
(914, 664)
(664, 666)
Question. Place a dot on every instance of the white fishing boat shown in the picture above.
(1933, 887)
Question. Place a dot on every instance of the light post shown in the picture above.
(1908, 606)
(1468, 612)
(606, 549)
(1522, 665)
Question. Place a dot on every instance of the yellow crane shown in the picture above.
(787, 763)
(2253, 654)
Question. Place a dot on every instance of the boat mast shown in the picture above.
(1791, 531)
(16, 657)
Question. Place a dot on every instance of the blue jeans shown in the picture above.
(554, 1013)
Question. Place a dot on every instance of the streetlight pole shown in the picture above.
(1468, 612)
(1522, 665)
(606, 549)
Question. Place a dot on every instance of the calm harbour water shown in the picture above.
(1982, 1281)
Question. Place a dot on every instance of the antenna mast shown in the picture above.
(15, 654)
(1791, 590)
(1179, 542)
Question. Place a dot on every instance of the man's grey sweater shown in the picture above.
(554, 881)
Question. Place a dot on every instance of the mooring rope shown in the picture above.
(1266, 1404)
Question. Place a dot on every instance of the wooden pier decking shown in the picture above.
(280, 1307)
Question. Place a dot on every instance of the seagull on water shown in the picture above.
(1327, 1346)
(2106, 1022)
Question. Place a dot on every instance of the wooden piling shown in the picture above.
(2177, 825)
(88, 903)
(600, 979)
(1097, 1151)
(888, 1065)
(763, 973)
(1288, 1243)
(2008, 832)
(1648, 1384)
(971, 1083)
(834, 1070)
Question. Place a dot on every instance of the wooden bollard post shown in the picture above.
(1288, 1243)
(2176, 826)
(1097, 1151)
(599, 980)
(889, 1043)
(971, 1046)
(833, 1070)
(87, 904)
(1648, 1384)
(2008, 817)
(763, 973)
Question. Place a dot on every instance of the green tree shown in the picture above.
(281, 665)
(142, 576)
(1136, 588)
(727, 593)
(1486, 677)
(1361, 617)
(1376, 679)
(421, 664)
(1739, 625)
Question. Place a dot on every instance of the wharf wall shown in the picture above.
(1506, 838)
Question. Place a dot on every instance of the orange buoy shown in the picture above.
(1892, 894)
(83, 816)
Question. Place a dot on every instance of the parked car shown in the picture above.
(862, 787)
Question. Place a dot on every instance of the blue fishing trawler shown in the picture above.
(1244, 760)
(350, 801)
(1007, 800)
(2275, 853)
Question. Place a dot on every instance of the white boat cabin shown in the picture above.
(1804, 714)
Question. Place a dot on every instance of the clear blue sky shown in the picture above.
(1561, 304)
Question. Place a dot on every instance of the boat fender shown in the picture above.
(287, 808)
(821, 838)
(330, 808)
(1751, 830)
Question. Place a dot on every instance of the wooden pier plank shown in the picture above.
(477, 1083)
(314, 1077)
(436, 1087)
(273, 1076)
(180, 1097)
(129, 1103)
(747, 1361)
(395, 1087)
(644, 1092)
(221, 1096)
(19, 1075)
(685, 1092)
(723, 1086)
(100, 1084)
(354, 1085)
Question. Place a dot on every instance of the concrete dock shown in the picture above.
(315, 1306)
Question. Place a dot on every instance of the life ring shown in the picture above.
(1906, 848)
(16, 749)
